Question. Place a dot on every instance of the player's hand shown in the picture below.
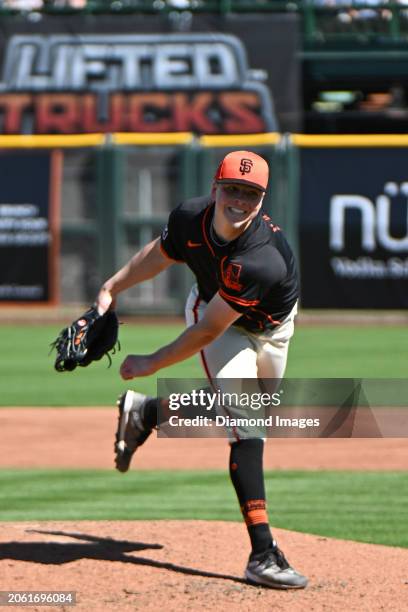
(135, 366)
(104, 301)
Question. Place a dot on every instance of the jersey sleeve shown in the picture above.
(244, 284)
(170, 237)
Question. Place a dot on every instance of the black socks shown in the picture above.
(246, 471)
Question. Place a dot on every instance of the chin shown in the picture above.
(239, 224)
(236, 222)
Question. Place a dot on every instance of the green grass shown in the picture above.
(362, 506)
(344, 352)
(28, 378)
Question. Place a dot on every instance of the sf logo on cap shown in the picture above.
(246, 165)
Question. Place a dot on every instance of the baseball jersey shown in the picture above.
(254, 273)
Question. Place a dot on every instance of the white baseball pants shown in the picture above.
(240, 354)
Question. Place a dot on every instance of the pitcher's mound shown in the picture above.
(193, 565)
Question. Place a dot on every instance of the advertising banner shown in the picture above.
(354, 227)
(84, 74)
(29, 232)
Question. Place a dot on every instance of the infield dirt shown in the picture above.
(83, 438)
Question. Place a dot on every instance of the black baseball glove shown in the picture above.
(87, 339)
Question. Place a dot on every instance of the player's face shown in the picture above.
(237, 204)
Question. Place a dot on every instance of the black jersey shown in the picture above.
(255, 273)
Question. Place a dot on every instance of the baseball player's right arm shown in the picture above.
(217, 318)
(146, 264)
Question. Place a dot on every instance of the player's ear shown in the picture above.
(213, 189)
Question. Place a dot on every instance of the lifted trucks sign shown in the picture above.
(138, 83)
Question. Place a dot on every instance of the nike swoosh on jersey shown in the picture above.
(192, 245)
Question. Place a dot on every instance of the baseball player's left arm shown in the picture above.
(218, 317)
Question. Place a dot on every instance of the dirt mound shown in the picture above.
(193, 565)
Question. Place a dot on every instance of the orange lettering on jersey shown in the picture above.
(192, 245)
(274, 228)
(230, 276)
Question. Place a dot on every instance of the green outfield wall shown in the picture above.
(341, 201)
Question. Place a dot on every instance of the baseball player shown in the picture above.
(240, 318)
